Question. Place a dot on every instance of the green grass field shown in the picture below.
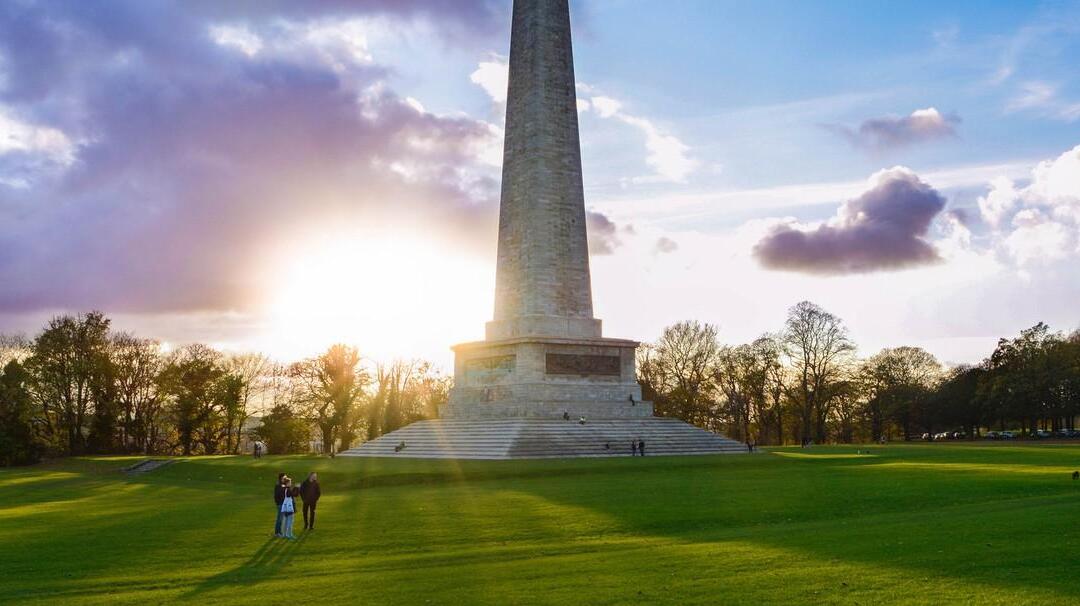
(903, 524)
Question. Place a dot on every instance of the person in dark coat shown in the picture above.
(633, 448)
(310, 493)
(279, 498)
(641, 447)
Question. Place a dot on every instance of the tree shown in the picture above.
(198, 387)
(283, 431)
(819, 348)
(328, 388)
(898, 383)
(406, 391)
(17, 444)
(68, 366)
(136, 365)
(255, 372)
(678, 372)
(770, 409)
(740, 376)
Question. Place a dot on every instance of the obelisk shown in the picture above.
(542, 280)
(544, 356)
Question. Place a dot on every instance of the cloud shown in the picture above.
(1038, 223)
(665, 245)
(189, 142)
(494, 77)
(667, 155)
(28, 150)
(603, 233)
(1045, 99)
(883, 229)
(891, 132)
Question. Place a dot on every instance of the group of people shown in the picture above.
(285, 495)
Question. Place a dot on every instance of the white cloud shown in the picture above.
(1044, 98)
(18, 136)
(237, 37)
(494, 77)
(29, 151)
(1041, 222)
(667, 155)
(999, 202)
(341, 45)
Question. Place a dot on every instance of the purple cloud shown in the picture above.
(603, 233)
(892, 132)
(883, 229)
(193, 162)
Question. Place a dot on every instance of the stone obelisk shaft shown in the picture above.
(542, 281)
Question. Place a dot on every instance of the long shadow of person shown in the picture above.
(268, 559)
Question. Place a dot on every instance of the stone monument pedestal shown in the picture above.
(546, 378)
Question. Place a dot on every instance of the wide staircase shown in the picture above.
(544, 439)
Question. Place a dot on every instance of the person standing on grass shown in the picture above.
(633, 448)
(288, 509)
(279, 498)
(641, 447)
(310, 493)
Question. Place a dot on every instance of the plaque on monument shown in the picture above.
(489, 370)
(584, 365)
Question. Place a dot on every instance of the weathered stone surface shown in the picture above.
(544, 355)
(543, 284)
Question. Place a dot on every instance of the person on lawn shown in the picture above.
(279, 498)
(310, 493)
(288, 509)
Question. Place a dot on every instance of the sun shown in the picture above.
(390, 297)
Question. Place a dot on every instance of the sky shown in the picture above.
(280, 176)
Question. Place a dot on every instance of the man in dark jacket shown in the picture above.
(310, 493)
(279, 498)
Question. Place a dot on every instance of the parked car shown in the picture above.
(1041, 434)
(993, 435)
(1067, 433)
(1008, 435)
(958, 435)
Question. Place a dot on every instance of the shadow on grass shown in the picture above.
(268, 560)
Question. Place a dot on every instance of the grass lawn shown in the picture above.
(903, 524)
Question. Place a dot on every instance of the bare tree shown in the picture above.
(254, 371)
(679, 373)
(818, 346)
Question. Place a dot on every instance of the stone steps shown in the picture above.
(544, 438)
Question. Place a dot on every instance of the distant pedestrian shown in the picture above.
(633, 448)
(288, 509)
(582, 420)
(310, 493)
(749, 446)
(641, 447)
(566, 415)
(279, 498)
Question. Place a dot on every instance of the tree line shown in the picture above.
(806, 383)
(79, 387)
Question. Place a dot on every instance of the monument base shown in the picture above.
(546, 378)
(544, 439)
